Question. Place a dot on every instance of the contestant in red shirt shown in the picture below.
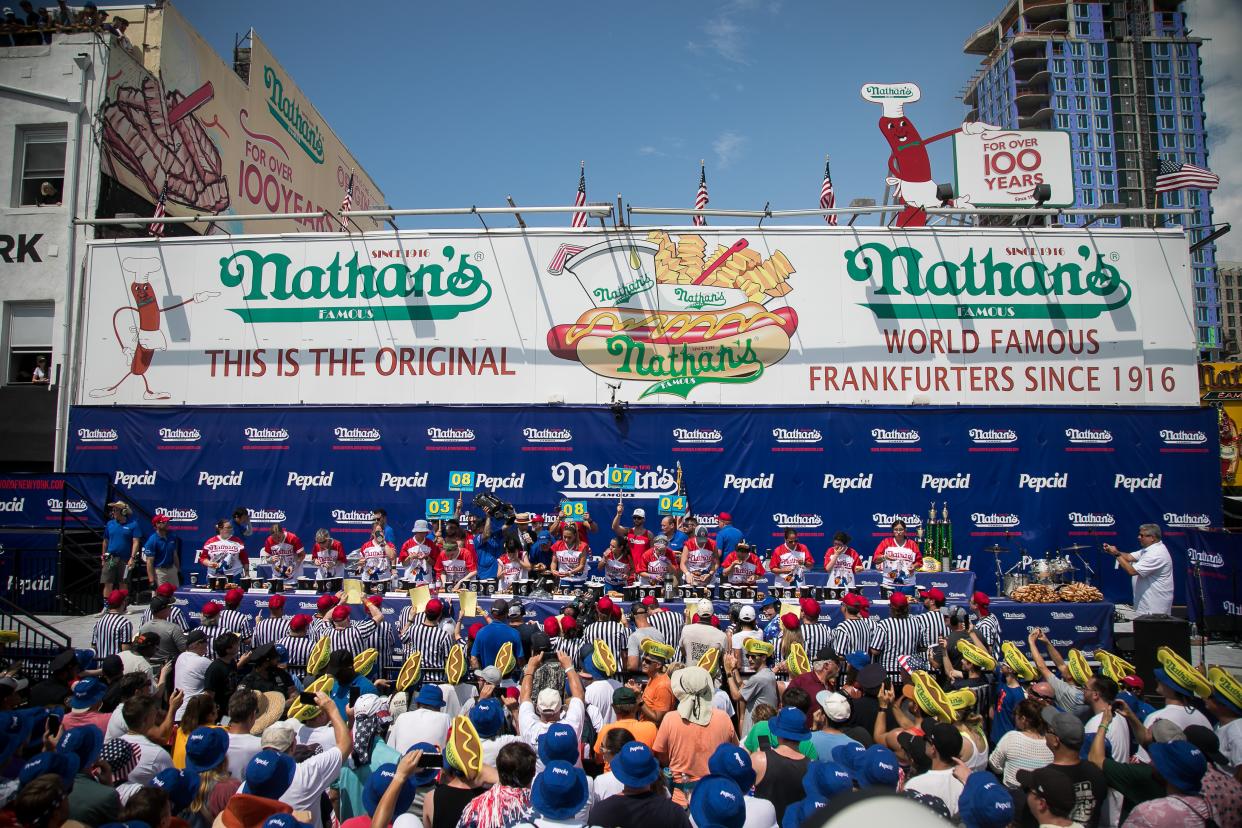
(454, 565)
(898, 557)
(638, 536)
(841, 562)
(284, 552)
(699, 558)
(657, 562)
(619, 566)
(222, 553)
(328, 556)
(791, 559)
(419, 554)
(742, 567)
(569, 557)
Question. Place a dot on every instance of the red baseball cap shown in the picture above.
(551, 626)
(568, 623)
(726, 516)
(340, 613)
(166, 589)
(434, 608)
(117, 597)
(159, 520)
(898, 599)
(650, 601)
(790, 621)
(211, 608)
(276, 602)
(604, 605)
(1132, 683)
(375, 599)
(327, 602)
(981, 598)
(474, 629)
(935, 593)
(810, 607)
(234, 597)
(299, 622)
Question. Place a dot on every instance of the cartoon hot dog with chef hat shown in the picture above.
(671, 314)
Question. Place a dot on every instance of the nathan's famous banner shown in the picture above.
(1038, 482)
(841, 315)
(1220, 384)
(218, 144)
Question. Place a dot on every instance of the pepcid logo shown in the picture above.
(957, 482)
(1187, 520)
(143, 478)
(994, 520)
(578, 481)
(397, 482)
(511, 481)
(1036, 483)
(15, 504)
(894, 436)
(268, 516)
(743, 484)
(356, 435)
(179, 435)
(352, 517)
(1203, 558)
(547, 435)
(883, 520)
(215, 481)
(1091, 520)
(266, 435)
(1088, 439)
(797, 435)
(450, 435)
(802, 521)
(322, 480)
(992, 436)
(840, 484)
(97, 435)
(58, 505)
(176, 515)
(697, 436)
(1182, 438)
(1133, 484)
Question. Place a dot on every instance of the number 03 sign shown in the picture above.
(1003, 168)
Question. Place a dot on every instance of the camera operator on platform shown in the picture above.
(1151, 571)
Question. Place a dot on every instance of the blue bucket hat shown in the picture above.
(635, 766)
(86, 659)
(430, 695)
(379, 781)
(64, 765)
(848, 755)
(1181, 764)
(732, 762)
(270, 773)
(769, 601)
(717, 802)
(15, 729)
(789, 723)
(560, 791)
(559, 742)
(984, 803)
(87, 692)
(877, 765)
(858, 660)
(180, 785)
(424, 776)
(488, 717)
(283, 821)
(824, 780)
(84, 742)
(206, 748)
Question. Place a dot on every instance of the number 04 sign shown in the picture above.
(1002, 168)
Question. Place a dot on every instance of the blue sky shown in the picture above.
(453, 104)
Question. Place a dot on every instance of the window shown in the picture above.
(1164, 86)
(1188, 122)
(1087, 177)
(1184, 86)
(29, 340)
(1193, 197)
(1188, 140)
(1083, 121)
(1106, 159)
(1160, 49)
(1161, 66)
(1097, 50)
(1080, 101)
(41, 153)
(1085, 141)
(1099, 86)
(1084, 159)
(1062, 101)
(1063, 122)
(1101, 122)
(1080, 84)
(1097, 67)
(1165, 121)
(1058, 65)
(1083, 28)
(1104, 139)
(1101, 103)
(1164, 104)
(1106, 178)
(1187, 104)
(1080, 67)
(1183, 68)
(1088, 197)
(1081, 10)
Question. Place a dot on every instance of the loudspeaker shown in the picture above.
(1151, 632)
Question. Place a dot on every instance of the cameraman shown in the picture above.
(487, 550)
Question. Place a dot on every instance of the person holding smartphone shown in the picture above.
(378, 556)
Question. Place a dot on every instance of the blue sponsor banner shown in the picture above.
(1032, 480)
(42, 501)
(1205, 565)
(30, 569)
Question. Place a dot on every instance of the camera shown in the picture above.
(494, 507)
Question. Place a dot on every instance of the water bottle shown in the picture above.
(670, 587)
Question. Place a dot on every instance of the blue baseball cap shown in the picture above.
(86, 659)
(559, 742)
(984, 803)
(64, 765)
(488, 717)
(824, 780)
(635, 766)
(848, 755)
(84, 742)
(770, 601)
(858, 660)
(733, 762)
(877, 765)
(282, 657)
(717, 802)
(560, 791)
(1180, 763)
(789, 723)
(180, 785)
(430, 695)
(270, 773)
(379, 781)
(87, 692)
(206, 748)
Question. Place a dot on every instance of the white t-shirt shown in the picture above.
(1181, 716)
(760, 813)
(697, 639)
(532, 727)
(1230, 737)
(941, 784)
(242, 748)
(323, 736)
(151, 759)
(606, 785)
(491, 747)
(131, 662)
(312, 777)
(1153, 585)
(189, 671)
(739, 638)
(415, 726)
(598, 696)
(1118, 736)
(458, 698)
(117, 726)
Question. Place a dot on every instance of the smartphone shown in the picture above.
(1117, 707)
(306, 698)
(354, 692)
(431, 760)
(53, 724)
(888, 684)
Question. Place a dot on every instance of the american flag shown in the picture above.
(700, 199)
(157, 228)
(1174, 176)
(580, 219)
(827, 198)
(348, 201)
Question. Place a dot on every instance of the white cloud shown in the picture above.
(647, 149)
(1220, 21)
(729, 147)
(725, 36)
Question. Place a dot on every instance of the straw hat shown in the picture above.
(271, 708)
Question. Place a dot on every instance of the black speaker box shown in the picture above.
(1151, 632)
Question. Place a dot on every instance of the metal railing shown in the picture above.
(33, 642)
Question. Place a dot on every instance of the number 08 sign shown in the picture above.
(1002, 168)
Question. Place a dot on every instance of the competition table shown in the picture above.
(1087, 626)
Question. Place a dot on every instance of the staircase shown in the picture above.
(29, 641)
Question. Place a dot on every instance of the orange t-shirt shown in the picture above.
(644, 732)
(658, 694)
(688, 746)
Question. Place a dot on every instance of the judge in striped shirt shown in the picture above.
(175, 615)
(113, 627)
(985, 626)
(898, 636)
(378, 633)
(426, 635)
(321, 623)
(815, 635)
(343, 635)
(298, 644)
(852, 635)
(275, 626)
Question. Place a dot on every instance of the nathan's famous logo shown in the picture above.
(177, 515)
(353, 516)
(97, 435)
(983, 436)
(268, 516)
(675, 315)
(1173, 437)
(993, 520)
(577, 481)
(883, 520)
(432, 291)
(289, 115)
(1089, 436)
(1091, 520)
(58, 505)
(1198, 520)
(984, 288)
(547, 435)
(345, 434)
(797, 435)
(180, 435)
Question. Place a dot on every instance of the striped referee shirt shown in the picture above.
(319, 627)
(669, 625)
(571, 647)
(212, 630)
(175, 615)
(897, 637)
(299, 648)
(232, 620)
(383, 637)
(934, 626)
(434, 642)
(270, 630)
(853, 635)
(349, 639)
(815, 637)
(111, 631)
(612, 633)
(989, 630)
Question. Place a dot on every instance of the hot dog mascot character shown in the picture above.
(909, 166)
(146, 337)
(898, 557)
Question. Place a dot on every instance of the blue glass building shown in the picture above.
(1123, 79)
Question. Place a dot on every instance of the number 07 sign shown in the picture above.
(1002, 168)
